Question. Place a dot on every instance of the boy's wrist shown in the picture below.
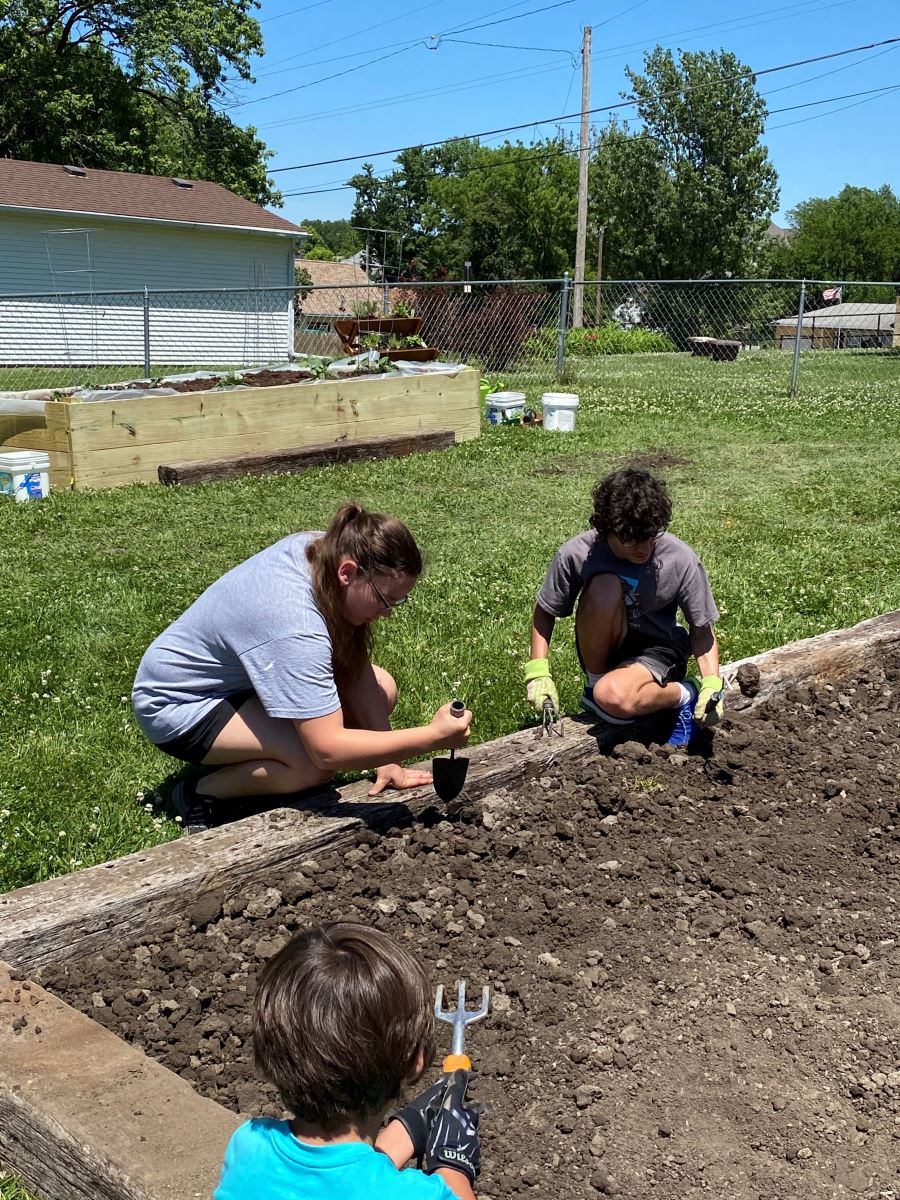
(394, 1141)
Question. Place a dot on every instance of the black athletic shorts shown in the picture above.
(193, 746)
(666, 661)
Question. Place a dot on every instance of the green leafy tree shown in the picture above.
(337, 236)
(692, 189)
(131, 85)
(509, 210)
(853, 235)
(512, 212)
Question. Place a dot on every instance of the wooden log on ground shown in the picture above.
(303, 458)
(80, 913)
(825, 658)
(85, 1116)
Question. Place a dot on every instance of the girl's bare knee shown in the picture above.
(388, 686)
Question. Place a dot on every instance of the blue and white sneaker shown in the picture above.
(685, 726)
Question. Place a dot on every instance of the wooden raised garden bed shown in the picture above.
(105, 443)
(83, 1114)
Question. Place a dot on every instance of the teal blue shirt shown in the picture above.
(264, 1161)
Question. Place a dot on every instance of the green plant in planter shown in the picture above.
(372, 341)
(364, 308)
(405, 342)
(402, 308)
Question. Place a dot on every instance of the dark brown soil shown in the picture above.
(694, 960)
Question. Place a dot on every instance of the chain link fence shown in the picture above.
(518, 332)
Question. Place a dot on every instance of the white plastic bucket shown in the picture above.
(505, 408)
(559, 411)
(24, 474)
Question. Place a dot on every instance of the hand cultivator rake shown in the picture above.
(459, 1018)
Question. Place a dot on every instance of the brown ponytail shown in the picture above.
(379, 544)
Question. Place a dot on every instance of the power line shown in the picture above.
(291, 12)
(748, 74)
(872, 93)
(448, 89)
(818, 116)
(422, 38)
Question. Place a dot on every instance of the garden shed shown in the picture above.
(97, 264)
(842, 327)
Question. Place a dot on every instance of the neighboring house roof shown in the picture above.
(49, 187)
(338, 287)
(847, 316)
(780, 233)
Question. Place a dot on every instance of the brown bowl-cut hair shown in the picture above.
(341, 1017)
(379, 544)
(632, 504)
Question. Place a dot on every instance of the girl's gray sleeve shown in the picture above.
(293, 676)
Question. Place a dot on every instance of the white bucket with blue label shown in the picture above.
(24, 474)
(559, 411)
(505, 408)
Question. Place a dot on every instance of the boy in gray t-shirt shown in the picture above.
(630, 577)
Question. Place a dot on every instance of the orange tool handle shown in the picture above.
(457, 1062)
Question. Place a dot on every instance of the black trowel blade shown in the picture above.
(449, 776)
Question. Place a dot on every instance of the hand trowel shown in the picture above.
(449, 774)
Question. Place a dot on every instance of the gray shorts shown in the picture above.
(666, 661)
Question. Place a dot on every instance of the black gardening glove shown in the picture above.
(453, 1140)
(418, 1115)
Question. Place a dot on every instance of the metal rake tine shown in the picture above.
(440, 1012)
(485, 1005)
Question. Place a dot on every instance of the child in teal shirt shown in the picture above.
(342, 1023)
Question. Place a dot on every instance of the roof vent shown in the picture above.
(182, 183)
(75, 170)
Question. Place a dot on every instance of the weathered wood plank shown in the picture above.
(297, 459)
(86, 911)
(825, 657)
(85, 1116)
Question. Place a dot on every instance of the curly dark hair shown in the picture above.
(634, 505)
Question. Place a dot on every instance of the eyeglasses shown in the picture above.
(381, 596)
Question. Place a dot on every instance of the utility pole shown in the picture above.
(600, 235)
(583, 151)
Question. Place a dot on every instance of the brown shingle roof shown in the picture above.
(338, 286)
(51, 187)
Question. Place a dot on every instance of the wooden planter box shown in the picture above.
(718, 349)
(85, 1115)
(106, 443)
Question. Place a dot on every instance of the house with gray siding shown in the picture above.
(100, 266)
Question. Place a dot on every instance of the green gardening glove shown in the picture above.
(710, 706)
(540, 686)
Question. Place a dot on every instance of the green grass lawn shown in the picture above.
(794, 506)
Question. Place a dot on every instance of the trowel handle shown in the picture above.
(457, 708)
(456, 1062)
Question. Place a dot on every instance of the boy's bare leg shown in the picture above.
(629, 690)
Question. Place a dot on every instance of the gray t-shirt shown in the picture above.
(673, 578)
(257, 627)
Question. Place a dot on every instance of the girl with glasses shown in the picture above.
(267, 680)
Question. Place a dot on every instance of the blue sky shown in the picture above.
(430, 81)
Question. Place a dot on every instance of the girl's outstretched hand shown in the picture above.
(395, 776)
